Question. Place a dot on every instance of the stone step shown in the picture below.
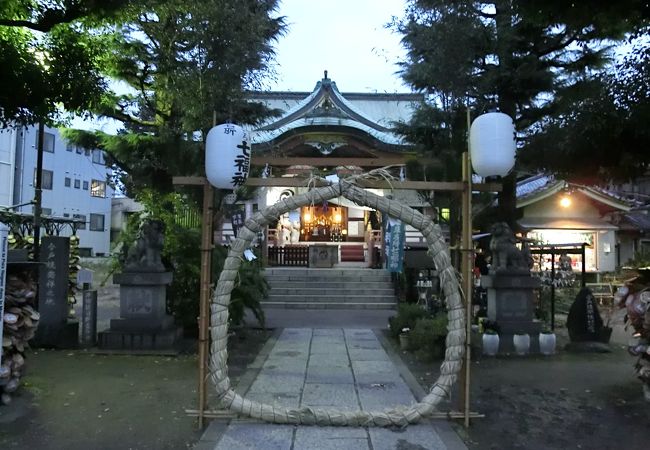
(334, 284)
(336, 272)
(332, 298)
(323, 305)
(332, 277)
(348, 291)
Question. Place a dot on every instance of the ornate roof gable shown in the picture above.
(325, 101)
(325, 106)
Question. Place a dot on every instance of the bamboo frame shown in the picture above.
(204, 299)
(465, 186)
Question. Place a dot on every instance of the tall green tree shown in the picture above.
(185, 64)
(529, 59)
(50, 60)
(605, 136)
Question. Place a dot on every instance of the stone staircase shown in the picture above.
(339, 288)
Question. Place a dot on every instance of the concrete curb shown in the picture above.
(444, 429)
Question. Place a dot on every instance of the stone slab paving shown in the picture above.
(347, 369)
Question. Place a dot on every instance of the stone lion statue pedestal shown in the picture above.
(144, 323)
(510, 291)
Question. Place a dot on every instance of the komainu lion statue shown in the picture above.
(144, 254)
(505, 255)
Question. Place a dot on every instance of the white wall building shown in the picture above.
(74, 183)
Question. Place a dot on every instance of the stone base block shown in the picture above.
(141, 325)
(59, 336)
(140, 340)
(516, 326)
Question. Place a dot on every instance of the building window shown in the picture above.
(67, 182)
(81, 221)
(48, 142)
(97, 222)
(77, 184)
(85, 185)
(87, 151)
(69, 147)
(97, 188)
(66, 215)
(79, 150)
(98, 157)
(46, 179)
(46, 211)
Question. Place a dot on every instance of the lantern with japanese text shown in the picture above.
(227, 156)
(492, 144)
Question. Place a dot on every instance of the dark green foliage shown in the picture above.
(533, 60)
(602, 135)
(189, 66)
(427, 339)
(59, 65)
(407, 316)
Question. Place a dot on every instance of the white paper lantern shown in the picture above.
(227, 156)
(492, 144)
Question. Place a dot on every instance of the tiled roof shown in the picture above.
(533, 184)
(638, 219)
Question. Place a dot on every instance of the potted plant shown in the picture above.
(547, 342)
(521, 342)
(490, 342)
(490, 330)
(404, 338)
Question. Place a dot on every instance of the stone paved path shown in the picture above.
(341, 368)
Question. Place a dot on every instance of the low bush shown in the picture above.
(407, 316)
(427, 339)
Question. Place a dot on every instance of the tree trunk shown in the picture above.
(507, 211)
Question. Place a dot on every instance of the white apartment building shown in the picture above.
(74, 183)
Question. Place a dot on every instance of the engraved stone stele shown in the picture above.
(144, 323)
(55, 328)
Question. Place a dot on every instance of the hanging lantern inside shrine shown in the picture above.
(492, 144)
(227, 156)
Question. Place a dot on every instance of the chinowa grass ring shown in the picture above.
(398, 416)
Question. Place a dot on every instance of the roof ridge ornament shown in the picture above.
(326, 82)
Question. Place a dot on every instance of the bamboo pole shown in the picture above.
(204, 299)
(467, 256)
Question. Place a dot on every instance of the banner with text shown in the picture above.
(4, 235)
(396, 237)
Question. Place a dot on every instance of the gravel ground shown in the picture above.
(77, 400)
(588, 401)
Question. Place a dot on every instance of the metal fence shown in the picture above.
(290, 255)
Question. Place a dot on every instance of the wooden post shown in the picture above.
(467, 263)
(204, 299)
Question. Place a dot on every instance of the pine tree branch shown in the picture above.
(559, 45)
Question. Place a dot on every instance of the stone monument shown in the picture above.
(144, 323)
(510, 287)
(586, 329)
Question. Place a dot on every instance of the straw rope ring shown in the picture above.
(401, 415)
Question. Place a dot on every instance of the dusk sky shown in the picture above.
(346, 38)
